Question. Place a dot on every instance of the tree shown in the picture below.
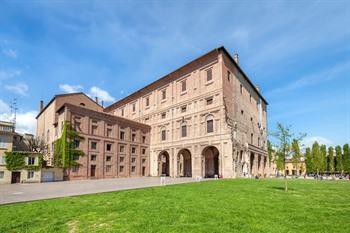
(284, 137)
(330, 160)
(35, 144)
(270, 151)
(296, 154)
(316, 154)
(346, 158)
(338, 159)
(65, 151)
(309, 161)
(323, 158)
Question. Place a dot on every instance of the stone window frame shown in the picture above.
(209, 118)
(209, 78)
(182, 126)
(163, 133)
(108, 168)
(30, 175)
(209, 100)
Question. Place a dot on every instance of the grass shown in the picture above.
(239, 205)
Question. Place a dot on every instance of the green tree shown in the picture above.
(316, 154)
(338, 159)
(330, 160)
(346, 158)
(323, 158)
(65, 151)
(309, 161)
(284, 137)
(296, 154)
(270, 151)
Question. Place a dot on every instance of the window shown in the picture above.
(109, 132)
(251, 138)
(251, 119)
(108, 168)
(76, 144)
(108, 147)
(133, 107)
(183, 109)
(121, 159)
(250, 98)
(77, 123)
(82, 104)
(133, 169)
(3, 143)
(143, 161)
(48, 135)
(75, 169)
(163, 134)
(122, 148)
(75, 157)
(94, 129)
(133, 160)
(122, 135)
(163, 115)
(242, 112)
(209, 100)
(258, 141)
(121, 169)
(2, 173)
(147, 101)
(93, 145)
(133, 137)
(30, 175)
(108, 158)
(183, 131)
(143, 139)
(31, 160)
(93, 157)
(122, 111)
(133, 150)
(143, 151)
(2, 160)
(164, 94)
(210, 124)
(209, 75)
(241, 89)
(183, 86)
(228, 76)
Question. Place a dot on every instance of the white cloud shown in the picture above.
(321, 140)
(7, 74)
(101, 94)
(70, 88)
(26, 122)
(10, 53)
(4, 107)
(19, 88)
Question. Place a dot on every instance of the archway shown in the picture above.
(210, 162)
(184, 163)
(252, 157)
(163, 163)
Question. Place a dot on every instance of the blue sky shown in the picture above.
(298, 52)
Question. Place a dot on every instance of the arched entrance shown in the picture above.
(184, 163)
(210, 162)
(163, 163)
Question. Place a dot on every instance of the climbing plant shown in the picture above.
(65, 151)
(16, 161)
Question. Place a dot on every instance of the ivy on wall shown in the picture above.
(16, 161)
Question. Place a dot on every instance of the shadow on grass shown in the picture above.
(281, 188)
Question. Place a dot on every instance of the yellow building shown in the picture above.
(7, 132)
(293, 168)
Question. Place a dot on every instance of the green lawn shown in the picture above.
(215, 206)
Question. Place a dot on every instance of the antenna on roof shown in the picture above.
(14, 109)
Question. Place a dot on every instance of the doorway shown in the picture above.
(15, 177)
(93, 171)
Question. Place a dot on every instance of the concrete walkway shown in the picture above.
(12, 193)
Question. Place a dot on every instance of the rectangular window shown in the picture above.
(121, 169)
(210, 126)
(121, 159)
(228, 76)
(77, 124)
(183, 86)
(251, 138)
(133, 169)
(133, 137)
(108, 147)
(241, 89)
(184, 131)
(163, 115)
(147, 101)
(2, 160)
(75, 169)
(209, 100)
(164, 94)
(122, 111)
(133, 160)
(108, 168)
(108, 158)
(122, 149)
(209, 75)
(122, 135)
(134, 107)
(109, 132)
(163, 135)
(30, 175)
(143, 151)
(94, 129)
(143, 139)
(250, 98)
(31, 160)
(143, 161)
(133, 150)
(2, 174)
(76, 144)
(93, 157)
(183, 109)
(93, 145)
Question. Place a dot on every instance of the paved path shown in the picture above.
(12, 193)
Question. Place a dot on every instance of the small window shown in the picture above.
(133, 150)
(250, 98)
(133, 160)
(31, 160)
(242, 112)
(122, 135)
(209, 100)
(108, 147)
(143, 139)
(163, 115)
(209, 75)
(2, 174)
(147, 101)
(133, 169)
(75, 169)
(164, 94)
(183, 86)
(163, 135)
(30, 175)
(93, 157)
(121, 159)
(94, 129)
(228, 76)
(241, 89)
(183, 109)
(133, 137)
(93, 145)
(133, 107)
(122, 112)
(109, 132)
(108, 158)
(210, 126)
(76, 144)
(121, 169)
(184, 131)
(122, 148)
(251, 138)
(143, 161)
(108, 168)
(251, 119)
(143, 151)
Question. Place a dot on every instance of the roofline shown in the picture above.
(60, 95)
(222, 48)
(121, 119)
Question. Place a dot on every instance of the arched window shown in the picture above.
(210, 124)
(163, 133)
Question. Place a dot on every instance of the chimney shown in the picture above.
(257, 88)
(96, 99)
(41, 106)
(235, 57)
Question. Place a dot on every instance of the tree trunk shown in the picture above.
(285, 184)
